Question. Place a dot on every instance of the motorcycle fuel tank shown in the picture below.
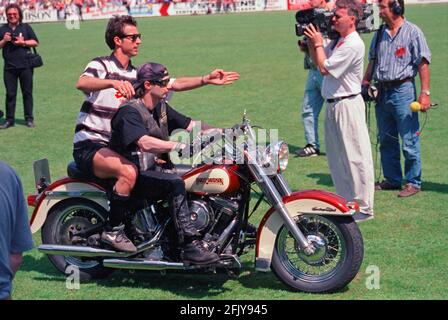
(212, 180)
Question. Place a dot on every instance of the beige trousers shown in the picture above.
(349, 152)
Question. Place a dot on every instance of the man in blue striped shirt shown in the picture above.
(395, 59)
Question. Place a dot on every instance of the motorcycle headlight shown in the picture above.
(278, 151)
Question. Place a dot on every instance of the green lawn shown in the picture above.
(407, 240)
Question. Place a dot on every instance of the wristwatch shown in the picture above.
(427, 92)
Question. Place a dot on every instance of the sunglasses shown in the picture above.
(132, 37)
(162, 83)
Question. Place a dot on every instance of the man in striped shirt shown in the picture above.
(398, 52)
(108, 82)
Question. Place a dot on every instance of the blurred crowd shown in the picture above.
(63, 4)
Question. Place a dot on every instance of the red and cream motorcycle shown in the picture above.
(307, 238)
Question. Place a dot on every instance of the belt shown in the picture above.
(341, 98)
(393, 83)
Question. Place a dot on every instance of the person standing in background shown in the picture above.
(17, 39)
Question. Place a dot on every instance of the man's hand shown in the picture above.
(221, 77)
(7, 37)
(314, 36)
(19, 41)
(125, 88)
(424, 101)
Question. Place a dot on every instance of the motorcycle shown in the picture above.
(308, 238)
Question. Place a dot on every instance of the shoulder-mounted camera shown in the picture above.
(321, 18)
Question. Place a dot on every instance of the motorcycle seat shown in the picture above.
(74, 172)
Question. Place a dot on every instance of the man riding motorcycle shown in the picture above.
(140, 131)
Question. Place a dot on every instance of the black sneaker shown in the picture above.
(386, 185)
(308, 151)
(7, 124)
(198, 253)
(116, 238)
(30, 124)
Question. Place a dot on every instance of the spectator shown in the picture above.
(346, 136)
(400, 54)
(17, 39)
(79, 4)
(15, 233)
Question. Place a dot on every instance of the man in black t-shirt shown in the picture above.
(16, 40)
(142, 126)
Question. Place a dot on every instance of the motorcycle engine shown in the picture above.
(201, 214)
(205, 215)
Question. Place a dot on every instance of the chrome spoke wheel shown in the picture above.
(330, 249)
(72, 220)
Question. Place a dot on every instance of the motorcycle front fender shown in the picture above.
(63, 189)
(316, 202)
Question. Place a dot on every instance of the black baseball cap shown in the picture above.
(150, 71)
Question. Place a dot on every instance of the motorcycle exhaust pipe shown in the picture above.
(142, 264)
(77, 251)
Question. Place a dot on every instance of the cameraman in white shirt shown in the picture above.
(347, 139)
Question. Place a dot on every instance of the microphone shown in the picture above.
(416, 106)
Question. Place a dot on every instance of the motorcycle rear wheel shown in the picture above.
(68, 215)
(335, 263)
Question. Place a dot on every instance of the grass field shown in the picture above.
(407, 241)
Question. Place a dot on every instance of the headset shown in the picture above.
(396, 8)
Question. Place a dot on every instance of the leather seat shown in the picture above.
(74, 172)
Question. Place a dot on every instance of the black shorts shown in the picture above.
(84, 154)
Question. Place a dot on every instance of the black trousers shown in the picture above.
(11, 78)
(157, 185)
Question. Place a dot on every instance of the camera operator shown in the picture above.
(17, 39)
(396, 54)
(346, 136)
(312, 98)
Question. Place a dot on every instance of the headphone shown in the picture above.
(396, 8)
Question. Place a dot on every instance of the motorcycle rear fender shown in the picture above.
(63, 189)
(316, 202)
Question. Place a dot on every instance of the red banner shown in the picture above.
(298, 4)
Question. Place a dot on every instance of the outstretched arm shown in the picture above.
(216, 77)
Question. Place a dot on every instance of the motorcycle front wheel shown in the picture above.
(62, 222)
(335, 262)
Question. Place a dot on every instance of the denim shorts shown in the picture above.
(84, 154)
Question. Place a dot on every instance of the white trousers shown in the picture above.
(349, 152)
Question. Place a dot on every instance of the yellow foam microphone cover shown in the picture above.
(415, 106)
